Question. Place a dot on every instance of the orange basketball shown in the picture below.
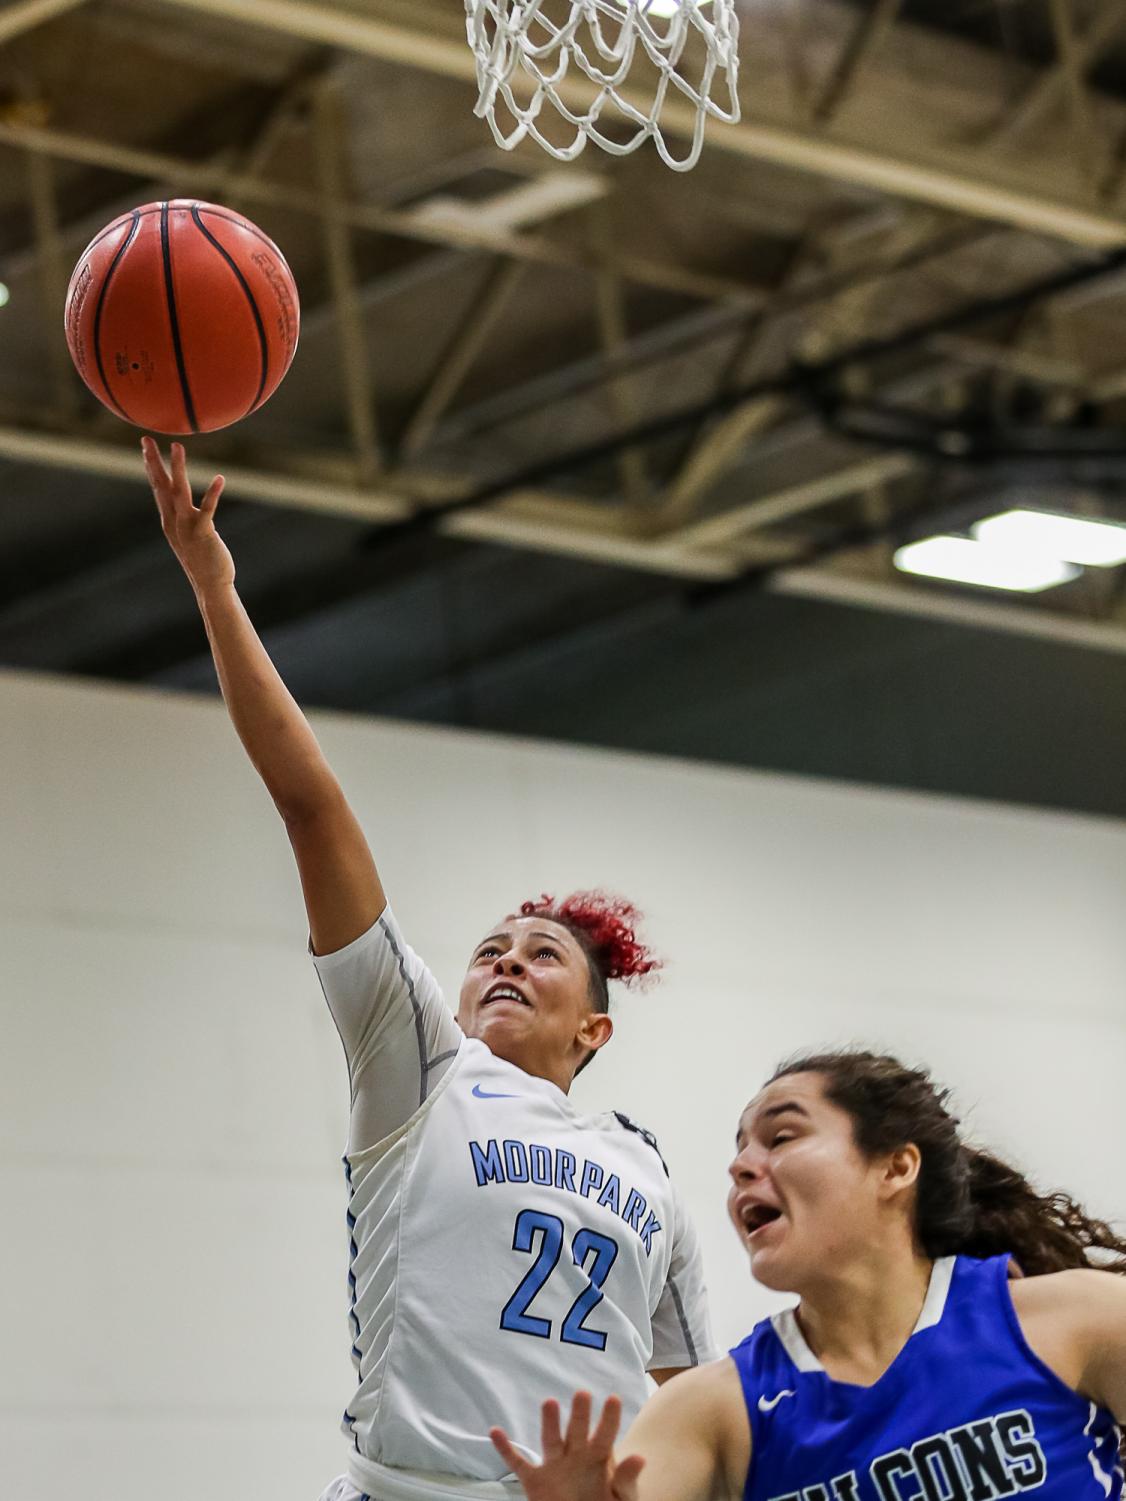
(182, 317)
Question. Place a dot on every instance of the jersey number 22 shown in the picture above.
(587, 1246)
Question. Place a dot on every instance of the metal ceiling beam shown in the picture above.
(667, 340)
(537, 521)
(798, 379)
(716, 446)
(1109, 385)
(956, 609)
(115, 461)
(722, 444)
(53, 274)
(1083, 136)
(784, 505)
(196, 176)
(1045, 92)
(23, 15)
(868, 32)
(794, 23)
(253, 156)
(1028, 364)
(359, 386)
(613, 337)
(250, 156)
(688, 333)
(717, 452)
(465, 344)
(666, 556)
(947, 184)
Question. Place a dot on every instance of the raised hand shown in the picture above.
(190, 529)
(577, 1465)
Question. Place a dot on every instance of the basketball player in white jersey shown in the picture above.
(504, 1247)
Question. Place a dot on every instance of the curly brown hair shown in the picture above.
(969, 1202)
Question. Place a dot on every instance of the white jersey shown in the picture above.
(504, 1247)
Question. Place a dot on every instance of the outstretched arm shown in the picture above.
(343, 895)
(690, 1442)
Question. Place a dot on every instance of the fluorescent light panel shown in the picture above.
(960, 560)
(1097, 544)
(665, 8)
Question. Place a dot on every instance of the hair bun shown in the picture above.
(609, 924)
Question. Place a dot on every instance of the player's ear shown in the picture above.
(595, 1031)
(901, 1170)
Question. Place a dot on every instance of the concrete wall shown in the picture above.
(173, 1095)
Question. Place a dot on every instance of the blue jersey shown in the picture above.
(966, 1411)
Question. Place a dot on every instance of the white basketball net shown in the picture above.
(576, 63)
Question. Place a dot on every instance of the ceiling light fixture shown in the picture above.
(5, 295)
(961, 560)
(1075, 539)
(664, 8)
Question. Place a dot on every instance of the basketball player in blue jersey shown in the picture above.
(954, 1339)
(503, 1245)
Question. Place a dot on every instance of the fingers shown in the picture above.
(511, 1456)
(551, 1437)
(211, 498)
(154, 464)
(577, 1454)
(180, 471)
(602, 1439)
(579, 1424)
(626, 1478)
(171, 490)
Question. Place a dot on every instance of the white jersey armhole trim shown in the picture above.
(788, 1330)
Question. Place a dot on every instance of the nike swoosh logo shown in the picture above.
(487, 1094)
(768, 1405)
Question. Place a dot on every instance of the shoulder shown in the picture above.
(642, 1134)
(1072, 1319)
(1080, 1300)
(705, 1403)
(708, 1387)
(1079, 1291)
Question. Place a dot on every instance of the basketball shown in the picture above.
(182, 317)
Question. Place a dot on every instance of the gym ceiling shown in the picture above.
(598, 452)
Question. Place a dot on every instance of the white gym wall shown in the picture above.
(173, 1093)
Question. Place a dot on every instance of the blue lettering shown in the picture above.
(634, 1210)
(592, 1178)
(650, 1228)
(565, 1171)
(486, 1164)
(609, 1196)
(516, 1161)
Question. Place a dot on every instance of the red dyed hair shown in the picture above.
(606, 925)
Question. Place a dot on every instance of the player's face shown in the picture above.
(803, 1199)
(526, 995)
